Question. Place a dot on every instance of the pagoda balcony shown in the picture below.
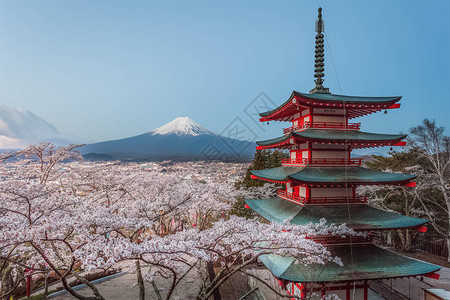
(337, 200)
(321, 161)
(323, 125)
(291, 197)
(320, 200)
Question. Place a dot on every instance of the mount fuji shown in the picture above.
(181, 139)
(181, 126)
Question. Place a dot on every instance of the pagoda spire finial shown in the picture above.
(319, 61)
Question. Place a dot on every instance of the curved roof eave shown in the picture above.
(267, 113)
(335, 98)
(362, 262)
(276, 174)
(364, 217)
(332, 175)
(334, 135)
(274, 141)
(348, 99)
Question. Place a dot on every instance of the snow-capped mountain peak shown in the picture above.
(182, 126)
(20, 127)
(179, 140)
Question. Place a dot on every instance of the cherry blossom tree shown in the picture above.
(235, 243)
(67, 215)
(47, 156)
(430, 143)
(399, 199)
(163, 202)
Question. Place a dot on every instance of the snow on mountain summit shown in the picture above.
(182, 126)
(179, 140)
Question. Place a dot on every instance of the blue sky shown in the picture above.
(111, 69)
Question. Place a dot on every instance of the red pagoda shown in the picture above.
(320, 179)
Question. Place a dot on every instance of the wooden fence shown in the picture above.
(437, 248)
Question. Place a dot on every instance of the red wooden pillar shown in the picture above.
(347, 145)
(28, 285)
(309, 150)
(323, 291)
(354, 194)
(297, 190)
(303, 291)
(366, 290)
(347, 294)
(308, 192)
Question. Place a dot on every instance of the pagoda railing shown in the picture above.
(330, 240)
(336, 200)
(321, 161)
(320, 200)
(324, 125)
(290, 197)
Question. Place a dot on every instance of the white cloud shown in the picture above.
(20, 127)
(12, 143)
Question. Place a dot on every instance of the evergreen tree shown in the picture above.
(264, 159)
(240, 210)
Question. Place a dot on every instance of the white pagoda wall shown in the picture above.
(337, 119)
(302, 191)
(329, 154)
(329, 111)
(301, 151)
(332, 192)
(289, 188)
(327, 146)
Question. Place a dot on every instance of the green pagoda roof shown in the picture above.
(361, 262)
(334, 135)
(362, 216)
(347, 99)
(331, 175)
(334, 98)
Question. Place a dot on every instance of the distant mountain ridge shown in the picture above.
(20, 127)
(180, 139)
